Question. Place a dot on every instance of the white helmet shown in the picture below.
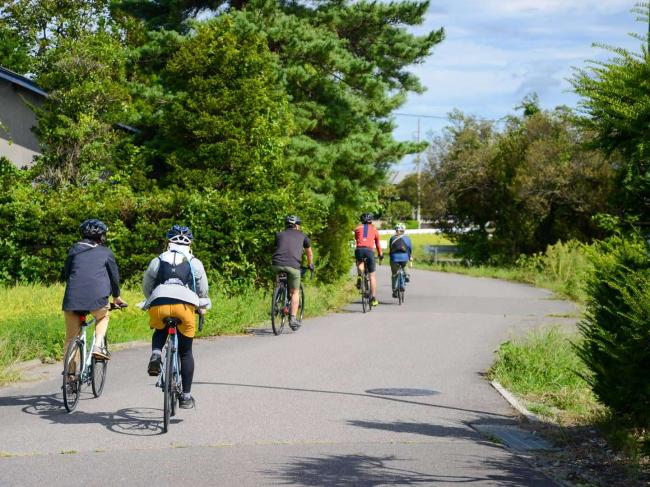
(400, 227)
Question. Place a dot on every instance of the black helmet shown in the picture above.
(292, 220)
(366, 218)
(92, 228)
(180, 235)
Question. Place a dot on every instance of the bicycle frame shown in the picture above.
(87, 357)
(170, 348)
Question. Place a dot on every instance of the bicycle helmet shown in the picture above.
(292, 220)
(400, 227)
(92, 228)
(180, 235)
(366, 218)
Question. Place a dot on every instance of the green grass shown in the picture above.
(545, 371)
(32, 325)
(561, 269)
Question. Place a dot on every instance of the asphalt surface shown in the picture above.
(383, 398)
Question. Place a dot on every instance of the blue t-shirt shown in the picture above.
(400, 248)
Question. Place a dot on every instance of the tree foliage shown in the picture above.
(615, 107)
(532, 179)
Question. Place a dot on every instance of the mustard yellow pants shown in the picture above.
(182, 311)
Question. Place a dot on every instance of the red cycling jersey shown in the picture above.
(367, 236)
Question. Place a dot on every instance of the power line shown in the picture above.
(440, 117)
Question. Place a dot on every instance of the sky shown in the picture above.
(496, 52)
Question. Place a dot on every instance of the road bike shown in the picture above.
(364, 288)
(281, 302)
(81, 368)
(169, 378)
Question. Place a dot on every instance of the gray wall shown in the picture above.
(17, 141)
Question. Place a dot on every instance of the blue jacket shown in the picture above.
(400, 255)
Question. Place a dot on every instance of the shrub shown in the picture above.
(616, 329)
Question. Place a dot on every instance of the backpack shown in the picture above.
(181, 271)
(398, 246)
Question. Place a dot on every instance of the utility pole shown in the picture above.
(417, 162)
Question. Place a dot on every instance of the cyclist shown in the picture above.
(287, 257)
(91, 275)
(400, 250)
(176, 286)
(367, 238)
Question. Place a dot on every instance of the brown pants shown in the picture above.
(73, 325)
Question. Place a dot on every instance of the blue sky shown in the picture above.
(497, 51)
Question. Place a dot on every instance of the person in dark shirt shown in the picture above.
(91, 276)
(287, 257)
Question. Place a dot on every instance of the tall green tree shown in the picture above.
(615, 106)
(85, 77)
(344, 66)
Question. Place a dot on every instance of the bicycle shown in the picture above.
(281, 302)
(81, 368)
(169, 378)
(366, 291)
(400, 283)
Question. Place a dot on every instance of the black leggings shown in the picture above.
(184, 351)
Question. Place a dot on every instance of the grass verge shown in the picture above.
(32, 326)
(545, 372)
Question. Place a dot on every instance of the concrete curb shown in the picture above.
(508, 396)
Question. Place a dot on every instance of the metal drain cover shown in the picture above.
(514, 437)
(402, 392)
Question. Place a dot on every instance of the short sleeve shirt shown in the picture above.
(289, 246)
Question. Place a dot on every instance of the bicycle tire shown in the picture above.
(72, 388)
(301, 304)
(98, 373)
(277, 312)
(167, 390)
(365, 303)
(368, 291)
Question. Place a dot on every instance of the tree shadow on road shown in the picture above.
(126, 421)
(366, 471)
(494, 466)
(353, 394)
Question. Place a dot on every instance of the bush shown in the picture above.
(616, 329)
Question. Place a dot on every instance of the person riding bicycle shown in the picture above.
(367, 238)
(91, 275)
(400, 250)
(287, 257)
(176, 286)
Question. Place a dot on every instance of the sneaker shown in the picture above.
(394, 294)
(374, 302)
(186, 401)
(155, 362)
(101, 353)
(407, 277)
(294, 324)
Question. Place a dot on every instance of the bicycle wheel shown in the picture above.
(277, 310)
(365, 302)
(301, 304)
(167, 390)
(98, 373)
(72, 364)
(368, 292)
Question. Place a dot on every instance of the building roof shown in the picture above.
(21, 81)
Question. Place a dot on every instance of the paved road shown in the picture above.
(305, 408)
